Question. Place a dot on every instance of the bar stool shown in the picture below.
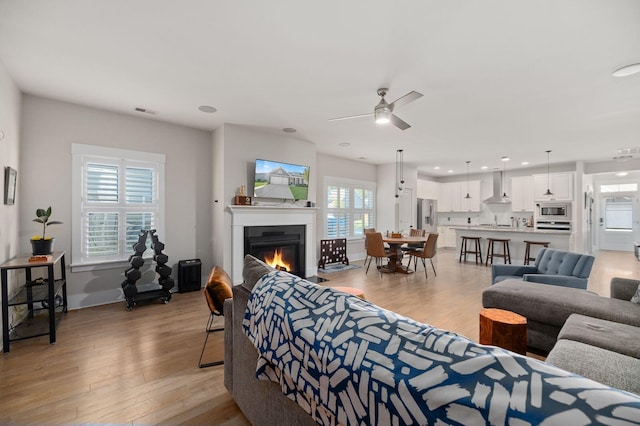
(527, 249)
(464, 251)
(506, 254)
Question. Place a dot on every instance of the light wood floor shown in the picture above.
(140, 367)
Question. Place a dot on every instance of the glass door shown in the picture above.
(618, 222)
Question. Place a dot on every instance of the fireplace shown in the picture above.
(281, 246)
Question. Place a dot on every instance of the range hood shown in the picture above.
(498, 196)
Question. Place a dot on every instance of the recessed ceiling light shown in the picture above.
(505, 159)
(484, 167)
(208, 109)
(449, 171)
(524, 163)
(621, 174)
(289, 130)
(344, 144)
(627, 70)
(436, 168)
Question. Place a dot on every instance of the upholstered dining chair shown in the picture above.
(413, 232)
(367, 231)
(375, 249)
(428, 252)
(217, 290)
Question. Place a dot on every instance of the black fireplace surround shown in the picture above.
(263, 241)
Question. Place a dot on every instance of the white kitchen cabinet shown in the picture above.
(452, 195)
(446, 237)
(560, 184)
(473, 204)
(522, 194)
(428, 189)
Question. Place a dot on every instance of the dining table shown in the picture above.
(395, 242)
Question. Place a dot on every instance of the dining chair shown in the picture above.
(375, 249)
(367, 231)
(413, 232)
(428, 252)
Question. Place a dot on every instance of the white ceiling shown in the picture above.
(499, 78)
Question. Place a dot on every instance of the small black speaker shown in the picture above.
(189, 275)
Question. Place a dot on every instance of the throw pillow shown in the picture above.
(636, 297)
(218, 289)
(253, 270)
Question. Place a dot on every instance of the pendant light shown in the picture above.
(468, 196)
(504, 173)
(399, 171)
(548, 193)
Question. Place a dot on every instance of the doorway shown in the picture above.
(406, 208)
(618, 221)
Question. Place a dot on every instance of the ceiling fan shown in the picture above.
(383, 112)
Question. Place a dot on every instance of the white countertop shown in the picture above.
(512, 229)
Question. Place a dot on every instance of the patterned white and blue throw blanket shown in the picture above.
(347, 361)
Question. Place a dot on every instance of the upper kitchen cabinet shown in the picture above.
(522, 194)
(560, 184)
(452, 197)
(428, 189)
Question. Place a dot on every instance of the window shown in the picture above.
(116, 193)
(618, 214)
(619, 187)
(350, 207)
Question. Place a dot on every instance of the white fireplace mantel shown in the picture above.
(242, 216)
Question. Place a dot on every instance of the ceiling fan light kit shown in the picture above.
(383, 112)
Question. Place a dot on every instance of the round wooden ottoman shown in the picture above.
(503, 328)
(352, 290)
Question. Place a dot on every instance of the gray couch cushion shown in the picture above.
(604, 334)
(553, 304)
(623, 288)
(253, 270)
(607, 367)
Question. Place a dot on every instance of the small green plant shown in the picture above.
(42, 216)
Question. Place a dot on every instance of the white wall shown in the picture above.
(9, 157)
(49, 128)
(242, 145)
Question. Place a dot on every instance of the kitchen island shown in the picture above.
(558, 240)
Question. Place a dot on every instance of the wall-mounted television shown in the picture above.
(274, 179)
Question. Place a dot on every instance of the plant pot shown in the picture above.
(39, 247)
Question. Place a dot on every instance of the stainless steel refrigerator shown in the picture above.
(427, 215)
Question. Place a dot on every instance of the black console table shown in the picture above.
(39, 294)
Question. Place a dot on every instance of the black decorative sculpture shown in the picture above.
(133, 274)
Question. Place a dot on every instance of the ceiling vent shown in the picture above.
(146, 111)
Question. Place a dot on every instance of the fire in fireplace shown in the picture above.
(281, 246)
(278, 260)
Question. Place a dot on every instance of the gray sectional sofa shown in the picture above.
(443, 360)
(594, 336)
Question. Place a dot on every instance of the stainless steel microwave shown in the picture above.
(556, 211)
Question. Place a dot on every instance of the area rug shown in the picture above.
(338, 267)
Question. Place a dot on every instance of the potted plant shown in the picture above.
(43, 244)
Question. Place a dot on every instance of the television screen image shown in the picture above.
(281, 180)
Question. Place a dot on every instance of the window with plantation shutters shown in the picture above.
(116, 193)
(349, 207)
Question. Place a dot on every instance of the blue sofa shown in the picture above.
(554, 267)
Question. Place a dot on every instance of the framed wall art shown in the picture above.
(10, 179)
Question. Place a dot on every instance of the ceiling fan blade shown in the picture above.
(409, 97)
(399, 123)
(351, 116)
